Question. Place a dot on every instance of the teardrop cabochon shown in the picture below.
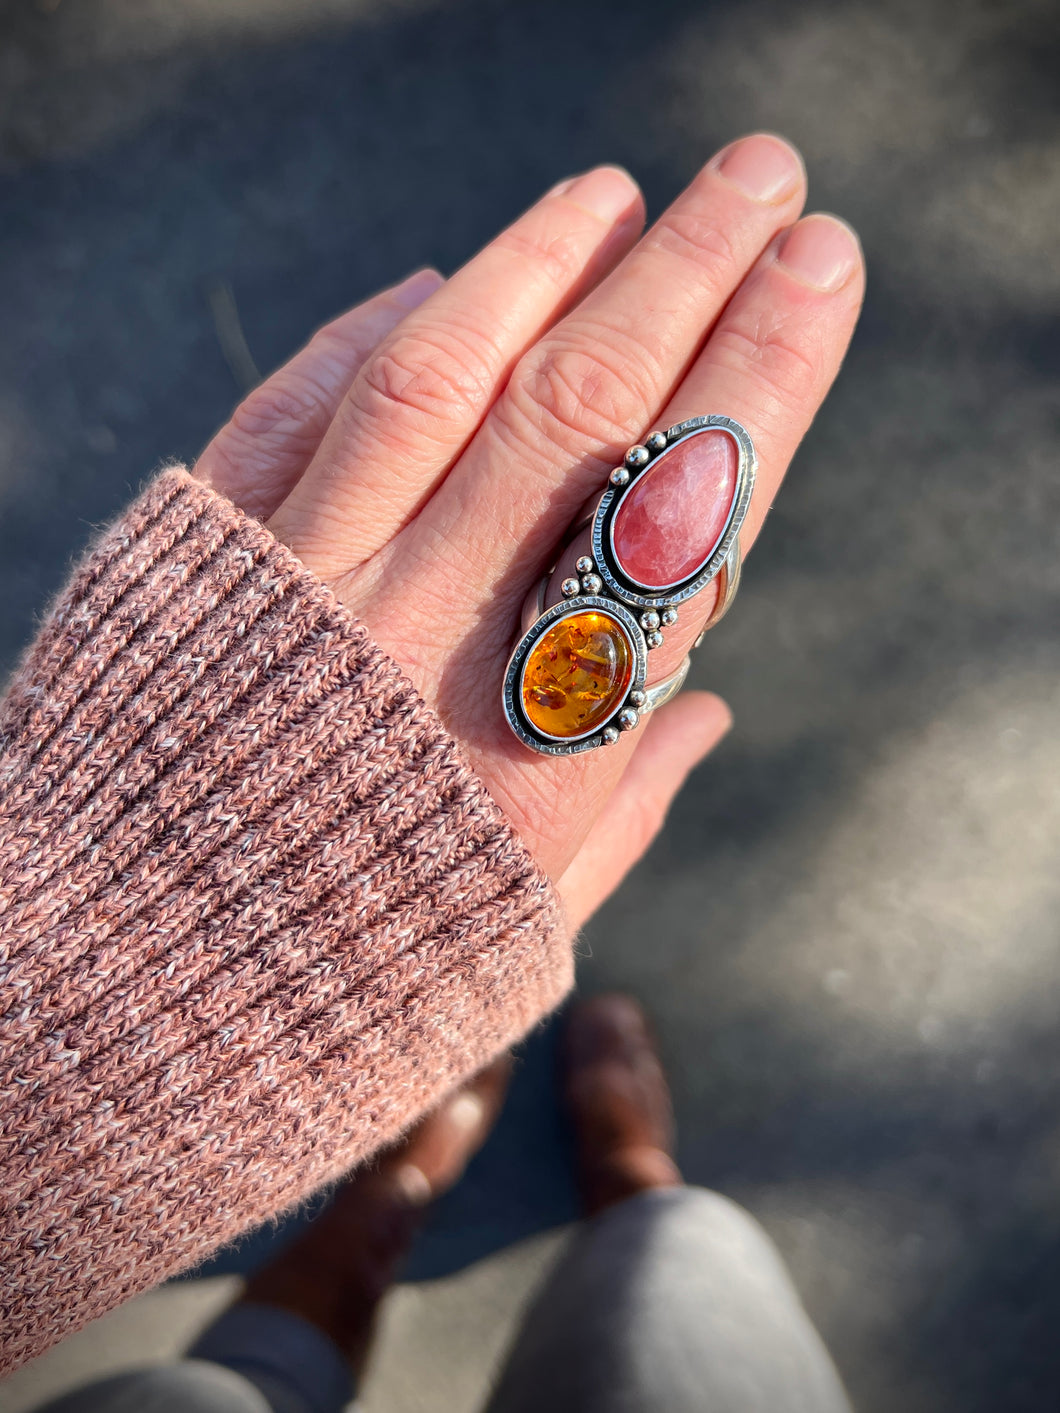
(629, 664)
(627, 509)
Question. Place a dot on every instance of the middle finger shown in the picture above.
(589, 387)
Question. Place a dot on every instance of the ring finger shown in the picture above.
(768, 363)
(577, 399)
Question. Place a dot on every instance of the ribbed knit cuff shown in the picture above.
(256, 913)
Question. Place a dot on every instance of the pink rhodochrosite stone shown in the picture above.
(674, 514)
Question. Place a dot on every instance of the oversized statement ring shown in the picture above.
(665, 526)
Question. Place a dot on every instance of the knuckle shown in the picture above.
(699, 241)
(282, 404)
(337, 351)
(775, 360)
(598, 395)
(286, 415)
(438, 379)
(559, 255)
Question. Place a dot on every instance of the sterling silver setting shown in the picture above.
(644, 614)
(626, 590)
(606, 732)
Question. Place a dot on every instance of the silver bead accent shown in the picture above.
(585, 564)
(592, 584)
(668, 617)
(654, 640)
(628, 719)
(656, 441)
(649, 620)
(636, 457)
(569, 588)
(609, 735)
(619, 476)
(637, 698)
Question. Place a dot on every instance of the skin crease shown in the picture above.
(426, 451)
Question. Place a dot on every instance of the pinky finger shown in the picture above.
(261, 452)
(677, 738)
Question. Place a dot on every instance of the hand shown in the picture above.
(425, 453)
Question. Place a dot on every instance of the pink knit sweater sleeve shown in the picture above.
(256, 913)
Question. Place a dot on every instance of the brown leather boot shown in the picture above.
(619, 1102)
(337, 1272)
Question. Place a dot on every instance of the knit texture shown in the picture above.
(256, 913)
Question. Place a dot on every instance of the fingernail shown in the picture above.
(411, 293)
(467, 1111)
(608, 192)
(822, 251)
(561, 187)
(413, 1184)
(762, 167)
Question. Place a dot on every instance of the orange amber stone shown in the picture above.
(576, 674)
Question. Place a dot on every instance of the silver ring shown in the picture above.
(576, 677)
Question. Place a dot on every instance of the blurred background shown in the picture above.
(849, 935)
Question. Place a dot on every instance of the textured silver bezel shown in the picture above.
(513, 677)
(607, 508)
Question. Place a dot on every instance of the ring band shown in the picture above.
(666, 525)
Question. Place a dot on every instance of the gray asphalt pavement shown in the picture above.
(848, 934)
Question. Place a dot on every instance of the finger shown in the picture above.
(594, 382)
(432, 1157)
(417, 402)
(259, 454)
(678, 737)
(769, 364)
